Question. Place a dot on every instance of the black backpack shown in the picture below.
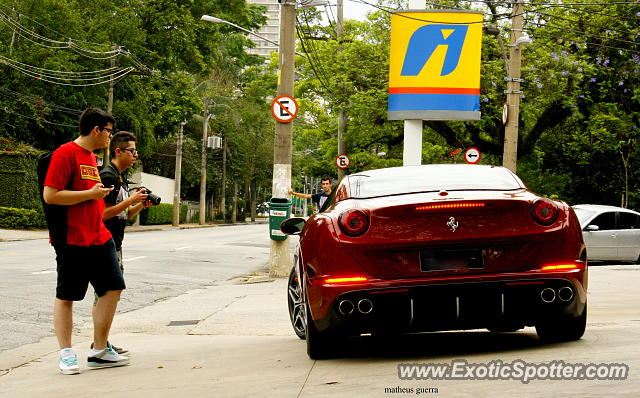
(55, 215)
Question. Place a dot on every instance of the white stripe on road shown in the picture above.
(133, 258)
(183, 247)
(42, 272)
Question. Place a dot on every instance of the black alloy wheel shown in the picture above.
(297, 306)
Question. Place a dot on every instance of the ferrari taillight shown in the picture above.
(544, 211)
(349, 279)
(560, 267)
(354, 222)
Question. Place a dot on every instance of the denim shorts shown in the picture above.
(80, 265)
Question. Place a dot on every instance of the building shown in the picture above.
(271, 30)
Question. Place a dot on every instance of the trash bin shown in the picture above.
(279, 210)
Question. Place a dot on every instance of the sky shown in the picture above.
(355, 10)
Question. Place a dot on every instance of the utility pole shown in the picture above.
(223, 183)
(112, 83)
(510, 155)
(178, 174)
(412, 143)
(280, 258)
(203, 165)
(342, 118)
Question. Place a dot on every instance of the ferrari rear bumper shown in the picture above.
(509, 304)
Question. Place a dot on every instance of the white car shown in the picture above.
(610, 233)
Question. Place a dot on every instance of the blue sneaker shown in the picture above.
(68, 362)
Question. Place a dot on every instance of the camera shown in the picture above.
(152, 198)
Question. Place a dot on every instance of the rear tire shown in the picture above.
(297, 306)
(563, 329)
(320, 345)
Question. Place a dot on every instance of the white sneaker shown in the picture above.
(106, 358)
(68, 362)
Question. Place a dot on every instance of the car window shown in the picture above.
(628, 221)
(605, 221)
(584, 214)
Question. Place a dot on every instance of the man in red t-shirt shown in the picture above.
(88, 255)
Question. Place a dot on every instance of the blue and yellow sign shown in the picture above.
(434, 67)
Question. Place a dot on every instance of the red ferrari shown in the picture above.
(436, 247)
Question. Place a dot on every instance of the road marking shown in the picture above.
(134, 258)
(42, 272)
(183, 247)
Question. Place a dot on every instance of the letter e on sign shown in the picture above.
(284, 108)
(343, 162)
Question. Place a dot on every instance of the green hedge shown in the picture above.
(21, 218)
(161, 214)
(19, 180)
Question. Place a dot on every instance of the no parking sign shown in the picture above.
(343, 162)
(284, 108)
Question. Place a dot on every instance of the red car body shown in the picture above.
(437, 247)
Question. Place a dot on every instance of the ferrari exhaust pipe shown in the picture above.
(548, 295)
(565, 294)
(346, 307)
(365, 306)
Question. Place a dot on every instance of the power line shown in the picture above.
(36, 119)
(49, 29)
(545, 25)
(581, 22)
(38, 101)
(566, 4)
(311, 62)
(322, 76)
(52, 78)
(536, 33)
(399, 13)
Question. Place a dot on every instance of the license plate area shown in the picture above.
(442, 260)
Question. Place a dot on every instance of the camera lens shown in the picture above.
(154, 199)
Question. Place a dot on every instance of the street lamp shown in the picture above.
(209, 18)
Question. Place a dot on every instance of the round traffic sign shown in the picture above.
(343, 162)
(284, 108)
(472, 155)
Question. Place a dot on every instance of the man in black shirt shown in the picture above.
(120, 205)
(318, 198)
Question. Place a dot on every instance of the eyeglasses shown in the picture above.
(133, 151)
(110, 131)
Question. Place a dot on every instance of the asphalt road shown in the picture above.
(158, 265)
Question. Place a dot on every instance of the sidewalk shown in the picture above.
(234, 339)
(9, 235)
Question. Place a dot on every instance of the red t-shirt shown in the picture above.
(73, 163)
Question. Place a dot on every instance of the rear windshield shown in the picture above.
(400, 180)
